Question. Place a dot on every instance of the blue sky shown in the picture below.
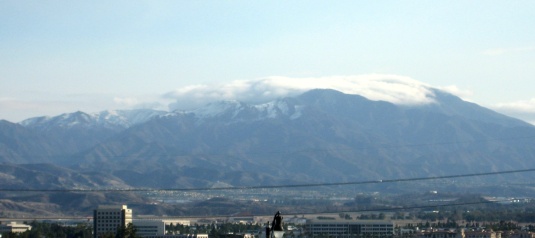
(63, 56)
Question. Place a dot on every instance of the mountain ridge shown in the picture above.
(318, 136)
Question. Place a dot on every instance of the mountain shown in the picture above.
(113, 119)
(19, 144)
(319, 136)
(70, 133)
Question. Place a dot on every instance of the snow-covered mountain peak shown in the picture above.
(219, 108)
(279, 108)
(64, 120)
(239, 111)
(127, 118)
(110, 118)
(35, 120)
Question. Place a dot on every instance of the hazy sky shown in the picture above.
(64, 56)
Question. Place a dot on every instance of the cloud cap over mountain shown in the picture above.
(379, 87)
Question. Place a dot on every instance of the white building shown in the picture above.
(108, 219)
(146, 228)
(155, 228)
(349, 228)
(14, 228)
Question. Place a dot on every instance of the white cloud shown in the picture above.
(522, 106)
(392, 88)
(145, 102)
(502, 51)
(523, 109)
(462, 93)
(125, 101)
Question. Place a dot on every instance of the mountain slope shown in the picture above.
(22, 145)
(54, 139)
(320, 136)
(48, 176)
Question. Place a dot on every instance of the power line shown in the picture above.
(271, 186)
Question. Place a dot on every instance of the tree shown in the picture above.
(127, 232)
(381, 216)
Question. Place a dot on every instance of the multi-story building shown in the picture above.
(147, 228)
(342, 229)
(14, 227)
(109, 219)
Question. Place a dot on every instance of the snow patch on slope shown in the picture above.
(110, 118)
(241, 111)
